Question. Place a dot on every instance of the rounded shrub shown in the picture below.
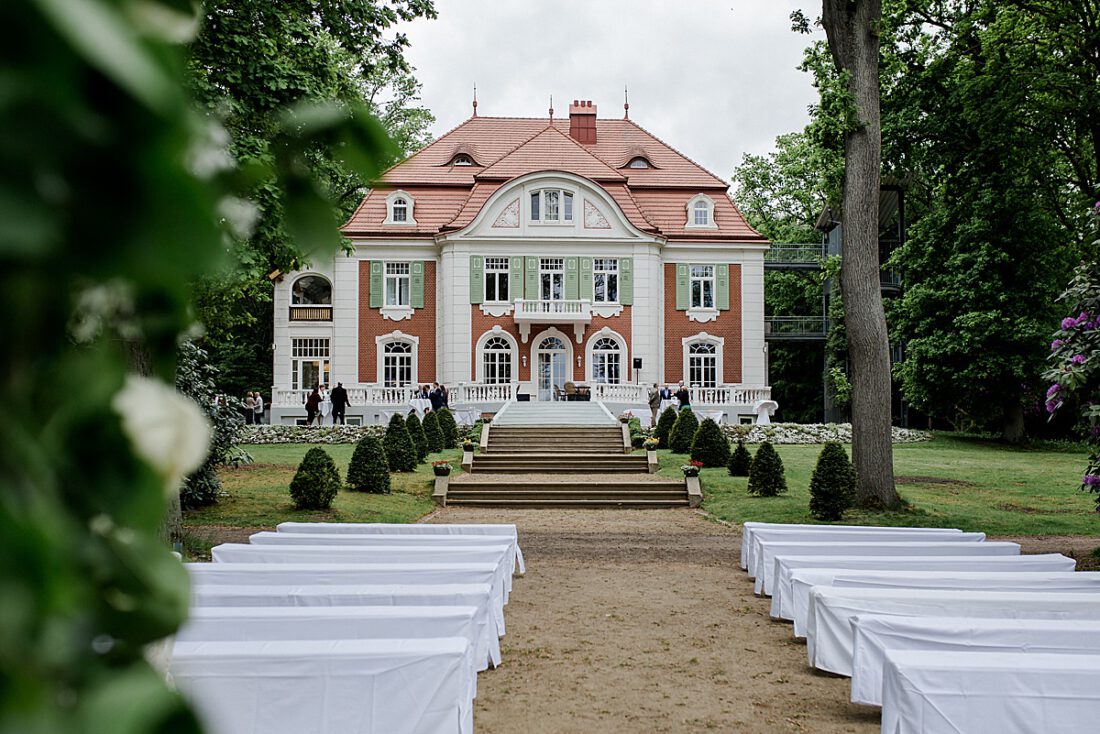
(400, 451)
(710, 445)
(316, 482)
(369, 470)
(448, 427)
(740, 461)
(833, 483)
(766, 477)
(433, 434)
(683, 432)
(664, 426)
(416, 432)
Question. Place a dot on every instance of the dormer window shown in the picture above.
(462, 160)
(399, 209)
(700, 213)
(638, 162)
(551, 206)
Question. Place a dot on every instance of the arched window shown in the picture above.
(497, 360)
(400, 210)
(700, 212)
(397, 364)
(702, 365)
(462, 160)
(311, 290)
(606, 361)
(638, 162)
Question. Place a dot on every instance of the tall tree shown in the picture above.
(852, 27)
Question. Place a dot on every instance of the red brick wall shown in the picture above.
(482, 323)
(372, 325)
(678, 327)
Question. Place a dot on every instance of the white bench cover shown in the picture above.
(748, 529)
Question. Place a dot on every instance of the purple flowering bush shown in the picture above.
(1075, 357)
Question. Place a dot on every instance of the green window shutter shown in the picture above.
(477, 279)
(515, 278)
(416, 284)
(682, 287)
(376, 284)
(586, 279)
(531, 282)
(626, 281)
(571, 291)
(722, 287)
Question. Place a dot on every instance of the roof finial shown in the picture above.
(551, 108)
(475, 99)
(626, 103)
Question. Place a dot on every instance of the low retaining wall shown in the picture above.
(810, 433)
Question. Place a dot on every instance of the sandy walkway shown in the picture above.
(641, 621)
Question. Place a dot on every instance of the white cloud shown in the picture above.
(714, 79)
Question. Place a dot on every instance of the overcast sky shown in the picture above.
(713, 79)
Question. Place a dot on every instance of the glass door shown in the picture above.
(553, 361)
(552, 279)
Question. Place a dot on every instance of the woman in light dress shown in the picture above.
(326, 406)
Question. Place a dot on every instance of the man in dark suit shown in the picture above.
(436, 396)
(340, 403)
(666, 393)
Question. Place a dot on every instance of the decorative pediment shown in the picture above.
(593, 217)
(509, 216)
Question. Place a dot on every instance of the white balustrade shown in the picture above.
(477, 392)
(574, 308)
(621, 393)
(728, 395)
(288, 398)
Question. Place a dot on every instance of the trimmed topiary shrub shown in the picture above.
(432, 432)
(740, 461)
(766, 477)
(710, 445)
(316, 482)
(416, 432)
(664, 426)
(448, 427)
(400, 451)
(833, 483)
(369, 470)
(683, 432)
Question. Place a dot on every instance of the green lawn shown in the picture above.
(259, 494)
(955, 481)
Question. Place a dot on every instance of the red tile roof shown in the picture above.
(449, 197)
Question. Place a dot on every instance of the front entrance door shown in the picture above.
(553, 362)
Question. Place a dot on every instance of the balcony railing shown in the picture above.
(311, 313)
(728, 395)
(796, 327)
(805, 254)
(575, 312)
(890, 279)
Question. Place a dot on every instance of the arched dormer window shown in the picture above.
(399, 209)
(639, 162)
(700, 213)
(311, 290)
(462, 160)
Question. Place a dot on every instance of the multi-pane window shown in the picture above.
(397, 364)
(701, 211)
(605, 280)
(702, 286)
(606, 361)
(496, 279)
(397, 284)
(497, 360)
(551, 205)
(552, 278)
(702, 365)
(400, 210)
(311, 290)
(309, 360)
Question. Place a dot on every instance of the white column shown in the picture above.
(453, 330)
(645, 321)
(753, 369)
(345, 320)
(280, 352)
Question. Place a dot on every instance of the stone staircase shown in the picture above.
(529, 463)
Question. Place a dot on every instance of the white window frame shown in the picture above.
(590, 355)
(479, 351)
(500, 272)
(380, 343)
(310, 349)
(702, 280)
(639, 159)
(543, 270)
(691, 207)
(543, 197)
(462, 159)
(410, 204)
(302, 277)
(600, 267)
(396, 279)
(719, 356)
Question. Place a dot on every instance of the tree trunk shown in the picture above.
(852, 27)
(1013, 430)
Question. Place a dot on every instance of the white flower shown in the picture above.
(167, 430)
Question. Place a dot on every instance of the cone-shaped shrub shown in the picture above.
(740, 461)
(316, 482)
(448, 427)
(432, 432)
(416, 432)
(683, 432)
(833, 483)
(368, 470)
(400, 451)
(710, 445)
(766, 477)
(664, 426)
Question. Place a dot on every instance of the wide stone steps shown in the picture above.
(556, 440)
(558, 463)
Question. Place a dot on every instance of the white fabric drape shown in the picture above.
(749, 529)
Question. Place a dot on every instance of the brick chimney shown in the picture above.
(582, 121)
